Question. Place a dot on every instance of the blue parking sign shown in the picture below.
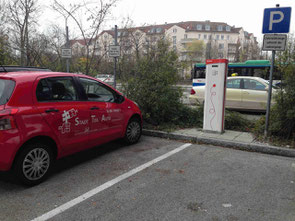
(276, 20)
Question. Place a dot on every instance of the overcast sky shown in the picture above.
(247, 14)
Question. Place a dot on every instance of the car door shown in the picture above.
(233, 93)
(67, 116)
(107, 115)
(254, 95)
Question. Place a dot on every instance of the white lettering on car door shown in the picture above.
(66, 116)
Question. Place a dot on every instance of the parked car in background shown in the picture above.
(109, 79)
(242, 93)
(48, 115)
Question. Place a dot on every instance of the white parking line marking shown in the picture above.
(106, 185)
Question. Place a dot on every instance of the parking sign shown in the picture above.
(276, 20)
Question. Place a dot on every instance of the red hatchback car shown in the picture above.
(46, 115)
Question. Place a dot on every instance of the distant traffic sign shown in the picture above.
(276, 20)
(66, 52)
(274, 42)
(114, 51)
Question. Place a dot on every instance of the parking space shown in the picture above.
(197, 183)
(75, 175)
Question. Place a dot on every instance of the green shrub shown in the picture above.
(152, 85)
(282, 117)
(236, 121)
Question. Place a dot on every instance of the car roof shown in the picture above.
(11, 68)
(32, 75)
(246, 77)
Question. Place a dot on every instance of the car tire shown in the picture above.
(133, 131)
(33, 164)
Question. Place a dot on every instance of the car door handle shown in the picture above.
(51, 110)
(94, 108)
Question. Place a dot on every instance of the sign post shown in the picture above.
(114, 51)
(275, 20)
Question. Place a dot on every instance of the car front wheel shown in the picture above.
(133, 131)
(33, 164)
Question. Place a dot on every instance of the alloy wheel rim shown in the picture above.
(133, 131)
(36, 164)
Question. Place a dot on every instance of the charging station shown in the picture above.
(215, 93)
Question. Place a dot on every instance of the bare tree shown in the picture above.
(195, 51)
(5, 50)
(3, 17)
(23, 16)
(96, 14)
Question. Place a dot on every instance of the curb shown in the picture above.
(252, 147)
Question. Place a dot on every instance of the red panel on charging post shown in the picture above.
(215, 61)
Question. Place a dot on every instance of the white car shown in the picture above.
(243, 93)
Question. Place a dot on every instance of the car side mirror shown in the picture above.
(119, 99)
(266, 88)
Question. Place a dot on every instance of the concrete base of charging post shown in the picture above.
(213, 132)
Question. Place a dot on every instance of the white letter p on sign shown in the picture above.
(272, 20)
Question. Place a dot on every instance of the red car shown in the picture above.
(46, 115)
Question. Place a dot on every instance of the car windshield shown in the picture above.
(6, 88)
(273, 86)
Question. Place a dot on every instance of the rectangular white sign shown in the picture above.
(66, 52)
(274, 42)
(114, 51)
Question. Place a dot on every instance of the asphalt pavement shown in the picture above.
(158, 179)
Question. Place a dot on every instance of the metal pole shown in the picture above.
(269, 90)
(68, 46)
(115, 58)
(269, 94)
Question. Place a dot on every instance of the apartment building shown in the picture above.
(219, 40)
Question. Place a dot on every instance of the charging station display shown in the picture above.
(215, 93)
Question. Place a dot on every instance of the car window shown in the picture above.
(253, 85)
(96, 91)
(56, 89)
(233, 83)
(6, 88)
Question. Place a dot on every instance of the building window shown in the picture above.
(219, 28)
(199, 36)
(227, 37)
(222, 37)
(210, 37)
(174, 40)
(205, 36)
(220, 55)
(159, 30)
(199, 27)
(174, 30)
(207, 27)
(221, 46)
(185, 36)
(227, 28)
(217, 37)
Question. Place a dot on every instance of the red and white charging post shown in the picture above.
(215, 93)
